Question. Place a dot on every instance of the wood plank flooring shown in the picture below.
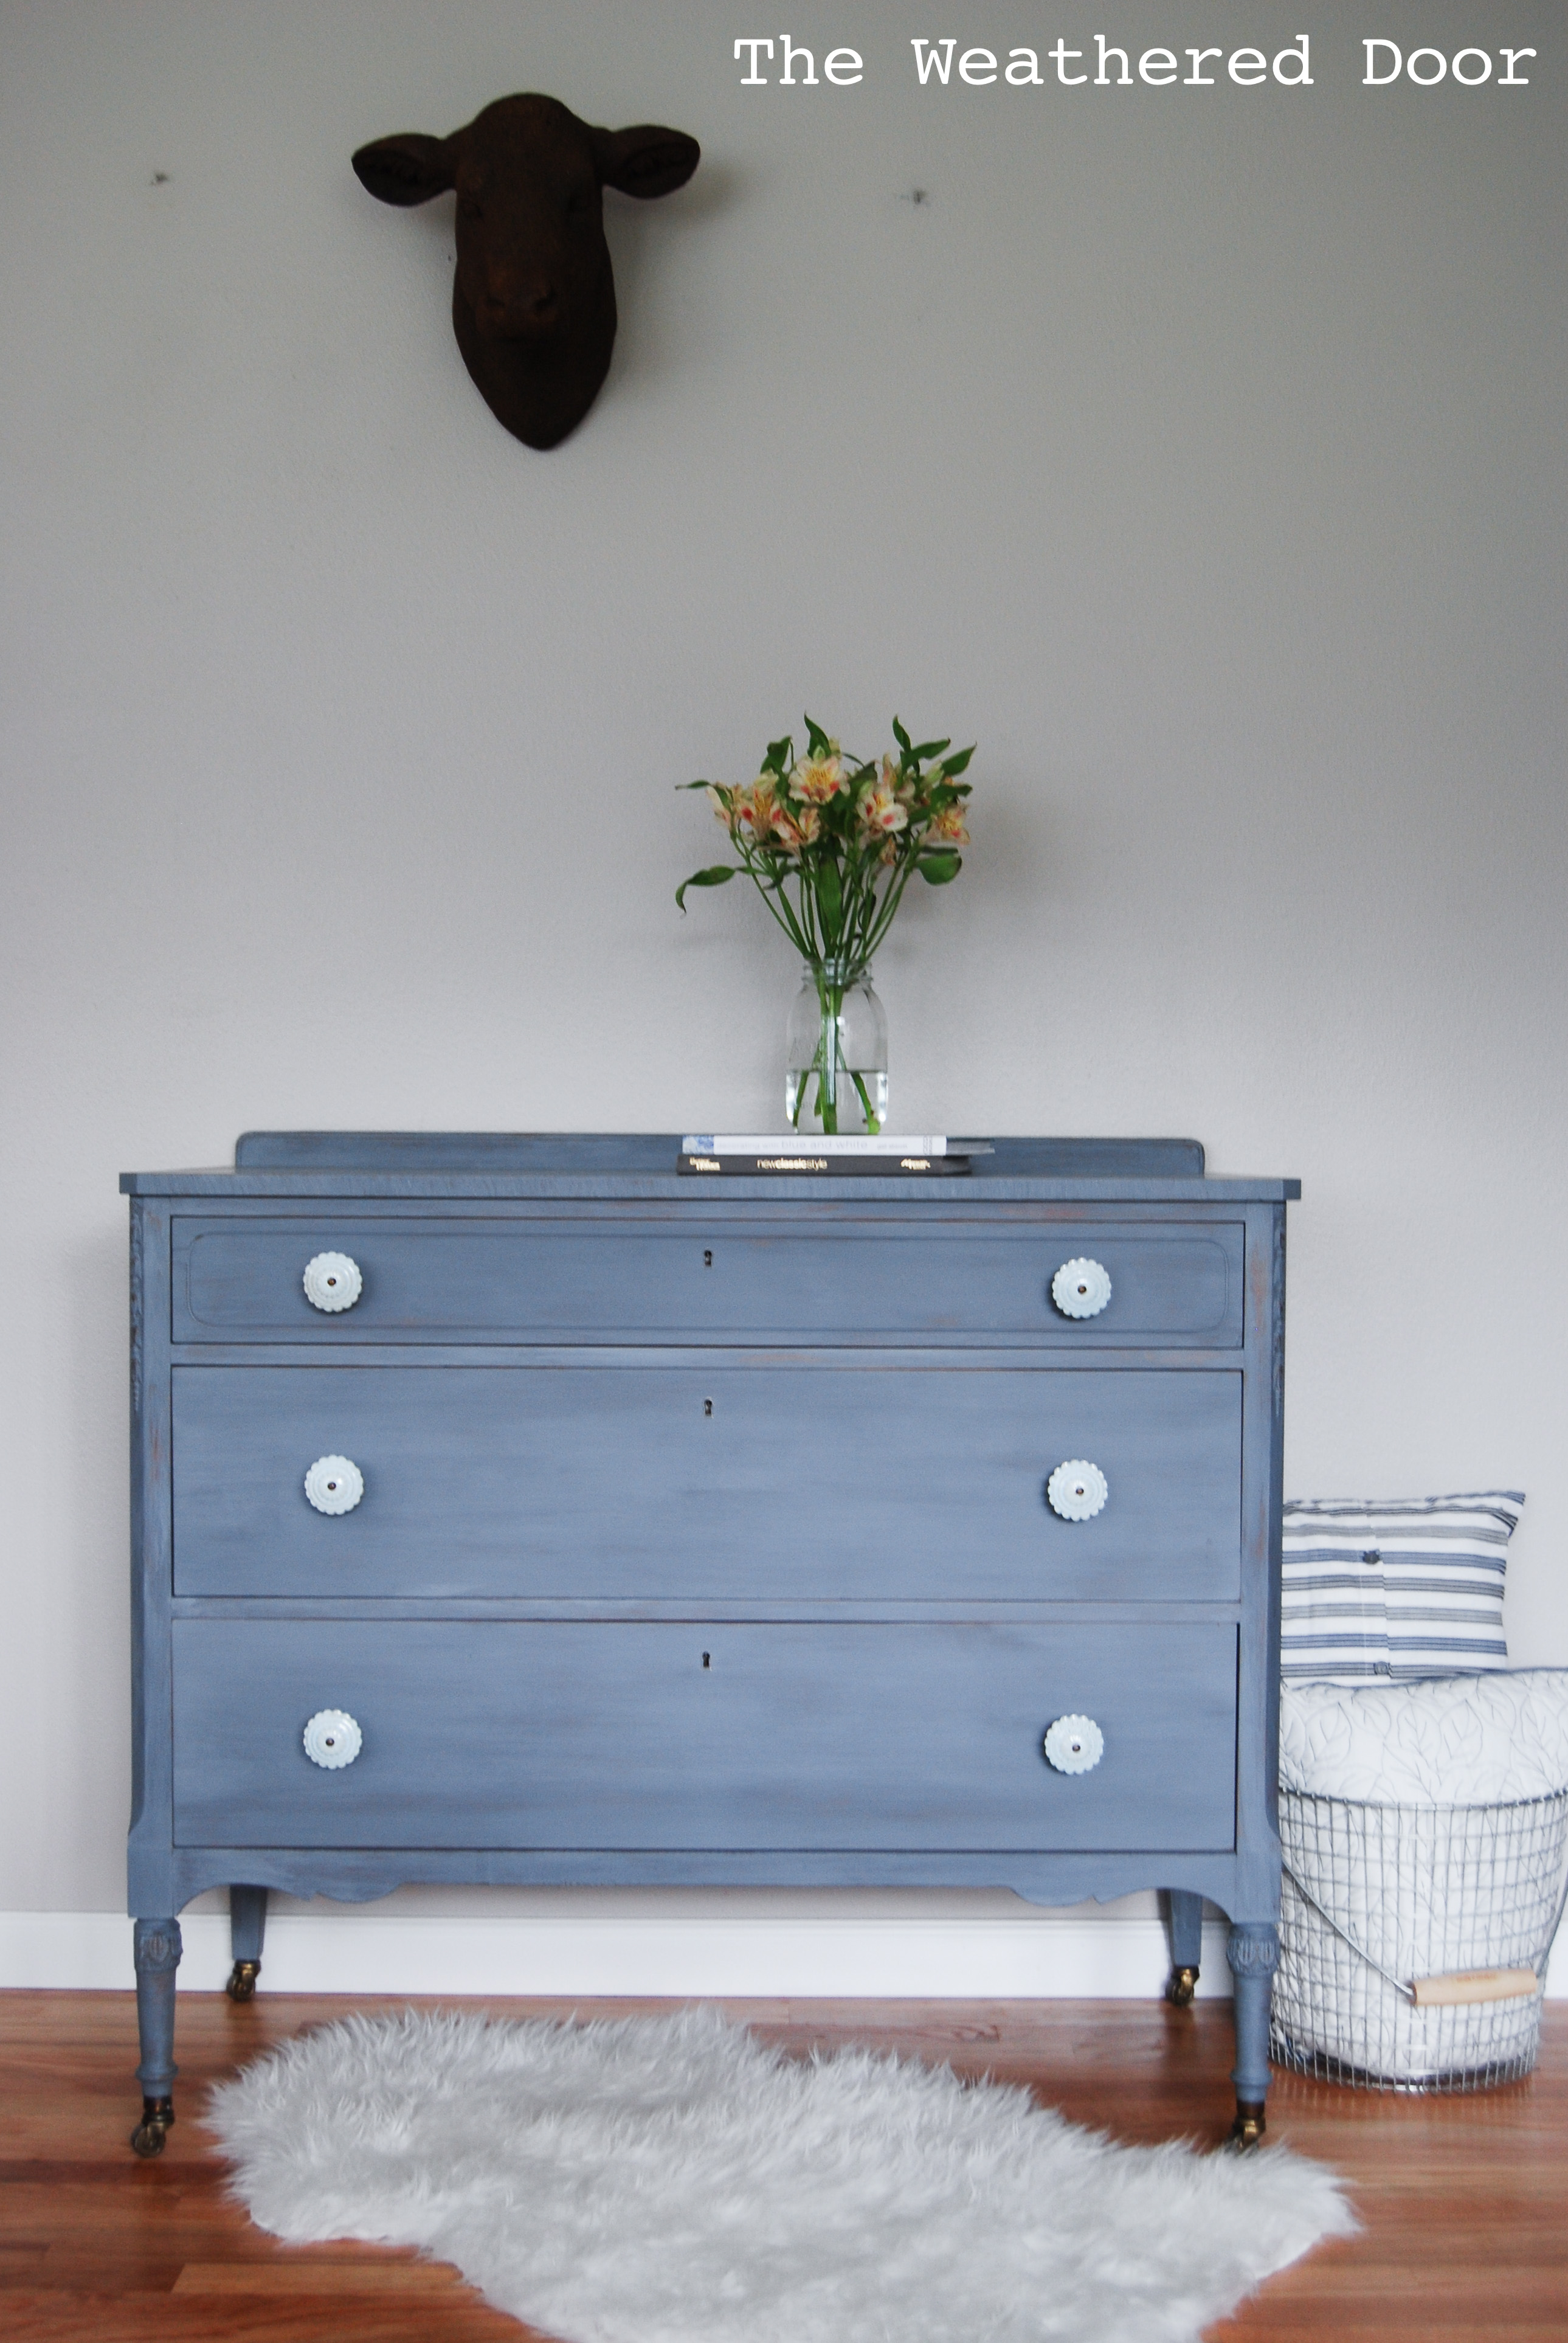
(1464, 2199)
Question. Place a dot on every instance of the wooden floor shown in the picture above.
(1464, 2199)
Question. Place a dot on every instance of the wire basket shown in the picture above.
(1384, 1905)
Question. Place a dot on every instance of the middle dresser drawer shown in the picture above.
(715, 1481)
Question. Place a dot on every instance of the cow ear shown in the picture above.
(645, 161)
(407, 168)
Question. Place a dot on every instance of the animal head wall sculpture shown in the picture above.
(533, 301)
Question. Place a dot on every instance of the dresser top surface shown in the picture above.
(641, 1166)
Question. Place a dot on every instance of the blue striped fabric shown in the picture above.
(1394, 1587)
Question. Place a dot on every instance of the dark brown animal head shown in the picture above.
(533, 302)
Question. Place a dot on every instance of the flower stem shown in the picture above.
(829, 1001)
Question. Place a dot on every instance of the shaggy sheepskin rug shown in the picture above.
(673, 2180)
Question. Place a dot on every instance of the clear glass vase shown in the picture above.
(837, 1053)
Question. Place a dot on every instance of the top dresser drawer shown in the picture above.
(703, 1279)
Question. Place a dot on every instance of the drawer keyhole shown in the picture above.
(708, 1260)
(708, 1407)
(707, 1658)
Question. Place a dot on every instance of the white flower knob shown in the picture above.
(1074, 1745)
(1077, 1490)
(335, 1484)
(332, 1739)
(1080, 1289)
(332, 1282)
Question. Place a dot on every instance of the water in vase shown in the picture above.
(860, 1107)
(836, 1053)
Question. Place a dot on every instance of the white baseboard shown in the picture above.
(1037, 1955)
(994, 1954)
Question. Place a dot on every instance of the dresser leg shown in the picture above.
(1185, 1926)
(158, 1952)
(246, 1927)
(1252, 1952)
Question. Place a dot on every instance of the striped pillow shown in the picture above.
(1394, 1587)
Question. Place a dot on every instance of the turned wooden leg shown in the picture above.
(246, 1927)
(157, 1953)
(1254, 1953)
(1184, 1923)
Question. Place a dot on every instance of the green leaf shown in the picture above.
(830, 895)
(953, 766)
(714, 876)
(781, 754)
(937, 869)
(691, 785)
(932, 749)
(816, 739)
(902, 737)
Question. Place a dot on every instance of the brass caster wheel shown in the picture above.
(153, 2130)
(242, 1977)
(1180, 1987)
(1249, 2127)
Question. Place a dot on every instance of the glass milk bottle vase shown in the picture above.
(837, 1051)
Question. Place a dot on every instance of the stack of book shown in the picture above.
(887, 1156)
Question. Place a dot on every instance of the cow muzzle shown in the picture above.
(527, 315)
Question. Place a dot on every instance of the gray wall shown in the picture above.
(1199, 453)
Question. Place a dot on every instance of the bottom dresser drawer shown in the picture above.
(522, 1736)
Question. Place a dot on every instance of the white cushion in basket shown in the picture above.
(1394, 1587)
(1462, 1741)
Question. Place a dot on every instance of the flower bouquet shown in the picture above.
(830, 843)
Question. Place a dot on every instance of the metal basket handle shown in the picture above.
(1408, 1992)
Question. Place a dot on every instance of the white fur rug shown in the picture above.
(672, 2180)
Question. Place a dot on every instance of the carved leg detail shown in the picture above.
(158, 1950)
(248, 1926)
(1185, 1923)
(1254, 1953)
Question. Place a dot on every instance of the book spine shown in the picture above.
(764, 1143)
(823, 1167)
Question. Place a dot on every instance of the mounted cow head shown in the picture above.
(533, 302)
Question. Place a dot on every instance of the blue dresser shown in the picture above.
(509, 1508)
